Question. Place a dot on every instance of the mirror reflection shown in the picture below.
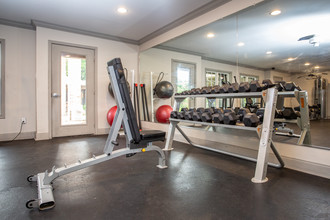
(282, 40)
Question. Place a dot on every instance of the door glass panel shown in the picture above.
(73, 89)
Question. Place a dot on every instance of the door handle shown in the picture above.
(56, 95)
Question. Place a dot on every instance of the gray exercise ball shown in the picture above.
(164, 89)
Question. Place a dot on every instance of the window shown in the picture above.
(183, 78)
(212, 78)
(2, 78)
(248, 78)
(277, 78)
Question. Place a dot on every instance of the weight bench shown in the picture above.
(136, 141)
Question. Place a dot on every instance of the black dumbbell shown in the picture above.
(196, 91)
(206, 90)
(280, 85)
(278, 113)
(225, 86)
(218, 118)
(207, 115)
(188, 114)
(230, 118)
(197, 115)
(241, 113)
(251, 120)
(291, 86)
(244, 87)
(215, 89)
(260, 113)
(174, 114)
(268, 83)
(182, 113)
(290, 113)
(255, 86)
(233, 88)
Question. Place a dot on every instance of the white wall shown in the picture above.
(19, 82)
(105, 51)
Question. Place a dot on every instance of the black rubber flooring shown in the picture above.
(198, 184)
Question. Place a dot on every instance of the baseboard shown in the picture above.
(42, 136)
(102, 131)
(22, 136)
(307, 167)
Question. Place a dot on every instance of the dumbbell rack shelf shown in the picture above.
(264, 131)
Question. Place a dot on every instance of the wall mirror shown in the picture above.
(285, 40)
(2, 78)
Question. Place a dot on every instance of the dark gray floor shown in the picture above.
(198, 184)
(320, 130)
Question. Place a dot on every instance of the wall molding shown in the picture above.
(17, 24)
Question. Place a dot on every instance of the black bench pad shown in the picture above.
(152, 135)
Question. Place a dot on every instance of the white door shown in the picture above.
(72, 90)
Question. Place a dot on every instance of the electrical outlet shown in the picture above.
(24, 120)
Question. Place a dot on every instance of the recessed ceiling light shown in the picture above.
(316, 67)
(210, 35)
(290, 59)
(307, 64)
(269, 52)
(122, 10)
(240, 44)
(275, 12)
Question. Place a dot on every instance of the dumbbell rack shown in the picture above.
(264, 130)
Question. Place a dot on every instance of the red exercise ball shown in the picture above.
(163, 113)
(111, 114)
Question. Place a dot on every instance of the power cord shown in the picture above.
(20, 130)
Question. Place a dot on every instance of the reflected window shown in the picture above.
(212, 78)
(2, 78)
(183, 78)
(277, 78)
(253, 101)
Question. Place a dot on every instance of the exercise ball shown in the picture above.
(111, 114)
(163, 113)
(111, 92)
(164, 89)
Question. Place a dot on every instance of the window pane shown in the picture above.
(213, 78)
(247, 78)
(183, 78)
(73, 86)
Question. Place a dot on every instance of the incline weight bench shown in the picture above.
(136, 141)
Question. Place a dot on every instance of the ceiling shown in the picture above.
(262, 32)
(144, 18)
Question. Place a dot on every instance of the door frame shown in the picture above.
(50, 43)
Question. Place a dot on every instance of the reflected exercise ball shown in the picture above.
(111, 114)
(164, 89)
(163, 113)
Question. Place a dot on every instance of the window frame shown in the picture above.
(243, 100)
(2, 79)
(191, 102)
(217, 79)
